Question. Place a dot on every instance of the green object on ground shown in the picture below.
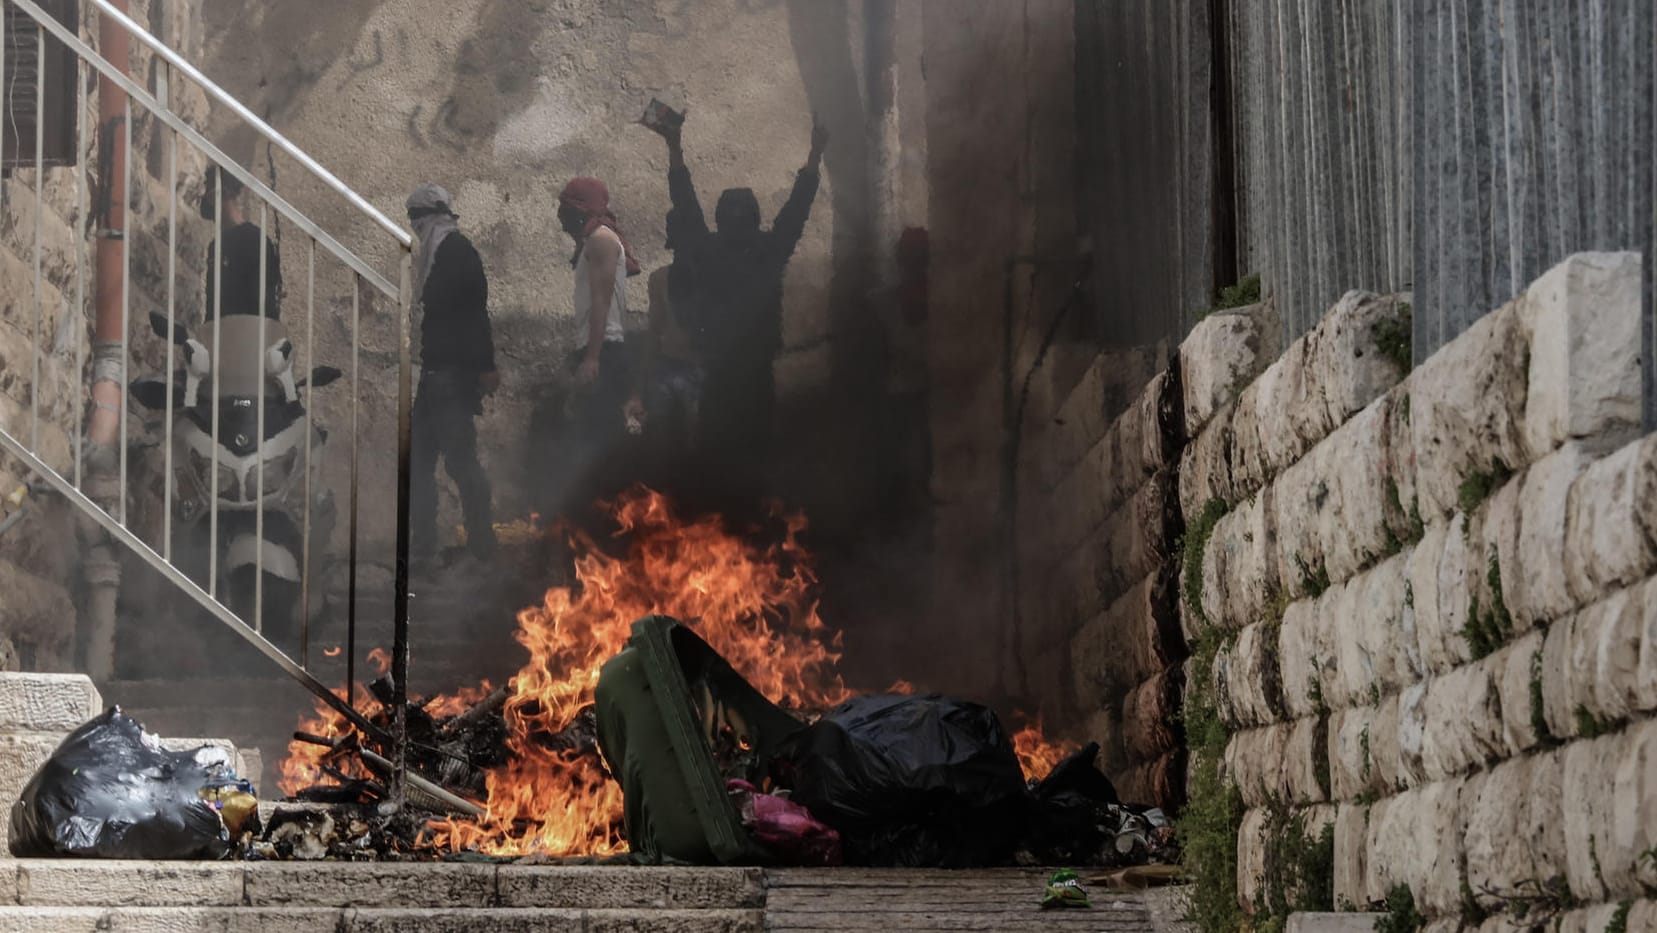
(675, 805)
(1064, 889)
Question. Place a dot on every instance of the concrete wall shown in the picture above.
(1429, 599)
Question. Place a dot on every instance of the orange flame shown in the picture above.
(753, 604)
(332, 652)
(1037, 754)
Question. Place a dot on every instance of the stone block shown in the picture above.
(1467, 405)
(1595, 919)
(497, 921)
(1148, 715)
(1463, 721)
(1253, 839)
(1376, 652)
(1337, 610)
(1583, 316)
(1133, 541)
(1251, 684)
(1385, 753)
(21, 754)
(1278, 763)
(1351, 825)
(1415, 838)
(1081, 421)
(343, 884)
(1300, 659)
(1344, 357)
(47, 702)
(1220, 356)
(1117, 648)
(1606, 543)
(1205, 465)
(1630, 823)
(1351, 765)
(1500, 853)
(1334, 506)
(1534, 585)
(1239, 576)
(1517, 668)
(1445, 567)
(1645, 691)
(1589, 774)
(1331, 922)
(103, 883)
(640, 887)
(675, 921)
(1412, 735)
(1606, 638)
(1559, 680)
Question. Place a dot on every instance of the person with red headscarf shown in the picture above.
(602, 262)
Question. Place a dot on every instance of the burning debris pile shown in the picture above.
(517, 770)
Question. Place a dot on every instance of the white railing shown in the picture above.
(242, 614)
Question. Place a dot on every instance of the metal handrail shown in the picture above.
(265, 129)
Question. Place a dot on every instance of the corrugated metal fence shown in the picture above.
(1454, 147)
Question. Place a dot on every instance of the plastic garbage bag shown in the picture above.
(785, 828)
(909, 781)
(111, 791)
(1073, 813)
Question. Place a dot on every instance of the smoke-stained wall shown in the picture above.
(503, 103)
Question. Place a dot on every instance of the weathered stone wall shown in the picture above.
(1432, 600)
(38, 560)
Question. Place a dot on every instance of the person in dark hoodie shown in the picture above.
(727, 295)
(240, 266)
(456, 353)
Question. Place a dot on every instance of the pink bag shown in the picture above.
(783, 826)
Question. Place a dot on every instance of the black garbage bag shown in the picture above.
(1072, 815)
(909, 781)
(111, 791)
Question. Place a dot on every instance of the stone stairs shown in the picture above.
(330, 897)
(38, 710)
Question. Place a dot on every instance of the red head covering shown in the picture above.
(591, 197)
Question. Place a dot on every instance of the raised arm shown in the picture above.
(790, 222)
(691, 220)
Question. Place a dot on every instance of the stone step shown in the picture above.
(46, 883)
(56, 703)
(383, 920)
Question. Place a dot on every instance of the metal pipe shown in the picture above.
(108, 398)
(305, 540)
(126, 297)
(115, 10)
(213, 400)
(351, 556)
(259, 441)
(163, 94)
(40, 201)
(80, 257)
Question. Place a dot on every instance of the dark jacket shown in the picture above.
(726, 291)
(241, 273)
(454, 331)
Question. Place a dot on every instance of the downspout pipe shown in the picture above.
(103, 483)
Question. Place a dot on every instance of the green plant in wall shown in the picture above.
(1395, 338)
(1480, 484)
(1197, 533)
(1299, 867)
(1209, 824)
(1245, 292)
(1400, 914)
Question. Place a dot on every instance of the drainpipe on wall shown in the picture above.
(103, 483)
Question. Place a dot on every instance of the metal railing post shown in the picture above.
(400, 620)
(163, 94)
(40, 202)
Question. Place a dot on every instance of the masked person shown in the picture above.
(239, 269)
(599, 370)
(456, 353)
(729, 301)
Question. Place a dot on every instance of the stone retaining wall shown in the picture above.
(1434, 600)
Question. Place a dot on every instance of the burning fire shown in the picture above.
(754, 604)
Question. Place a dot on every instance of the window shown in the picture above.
(23, 74)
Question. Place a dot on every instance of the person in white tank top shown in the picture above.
(602, 264)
